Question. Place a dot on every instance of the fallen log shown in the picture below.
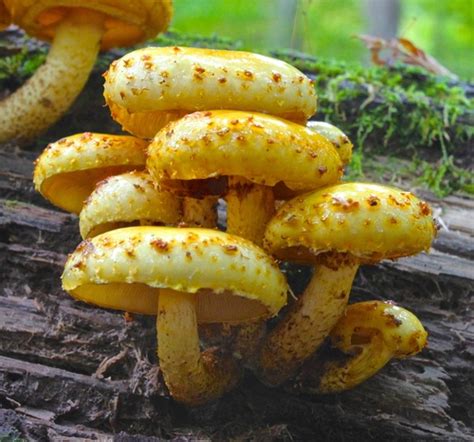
(71, 370)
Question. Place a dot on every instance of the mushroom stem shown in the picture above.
(249, 208)
(200, 212)
(307, 323)
(48, 94)
(191, 376)
(370, 334)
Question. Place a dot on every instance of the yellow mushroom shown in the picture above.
(337, 228)
(150, 87)
(77, 29)
(336, 136)
(370, 334)
(256, 151)
(68, 170)
(186, 276)
(133, 199)
(125, 200)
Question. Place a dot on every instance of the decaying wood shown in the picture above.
(68, 370)
(71, 370)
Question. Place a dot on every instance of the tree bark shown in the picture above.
(383, 17)
(71, 370)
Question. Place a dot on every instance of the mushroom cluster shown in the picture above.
(231, 129)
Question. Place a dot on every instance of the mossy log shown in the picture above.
(71, 370)
(401, 110)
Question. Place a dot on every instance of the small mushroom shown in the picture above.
(336, 228)
(77, 31)
(126, 200)
(148, 88)
(336, 136)
(256, 151)
(370, 334)
(186, 276)
(68, 170)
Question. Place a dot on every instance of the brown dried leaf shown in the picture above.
(411, 48)
(404, 50)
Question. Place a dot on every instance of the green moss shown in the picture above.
(13, 435)
(16, 68)
(414, 109)
(11, 203)
(172, 38)
(398, 111)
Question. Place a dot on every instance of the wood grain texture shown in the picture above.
(68, 369)
(71, 370)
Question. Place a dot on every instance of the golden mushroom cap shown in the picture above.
(5, 17)
(368, 221)
(68, 170)
(370, 334)
(336, 136)
(233, 279)
(125, 199)
(149, 87)
(261, 148)
(126, 23)
(402, 332)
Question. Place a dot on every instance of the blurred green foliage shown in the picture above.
(443, 28)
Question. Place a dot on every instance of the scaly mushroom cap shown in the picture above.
(121, 200)
(126, 23)
(370, 334)
(367, 221)
(5, 17)
(336, 136)
(149, 87)
(68, 170)
(261, 148)
(233, 279)
(402, 332)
